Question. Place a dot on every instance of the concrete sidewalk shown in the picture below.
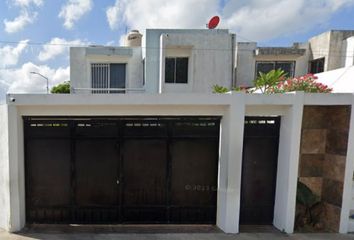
(174, 236)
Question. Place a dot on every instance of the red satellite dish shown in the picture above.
(213, 23)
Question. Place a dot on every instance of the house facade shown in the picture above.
(328, 51)
(172, 61)
(141, 140)
(193, 60)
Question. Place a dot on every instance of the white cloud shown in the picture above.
(264, 20)
(56, 47)
(73, 10)
(9, 55)
(21, 21)
(27, 3)
(113, 14)
(20, 80)
(143, 14)
(255, 19)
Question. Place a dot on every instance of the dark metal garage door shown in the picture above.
(121, 170)
(259, 170)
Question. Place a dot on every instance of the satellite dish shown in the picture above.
(213, 22)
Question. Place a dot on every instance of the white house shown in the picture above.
(143, 141)
(172, 61)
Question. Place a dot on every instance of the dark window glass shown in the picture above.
(170, 65)
(117, 76)
(264, 67)
(176, 70)
(287, 67)
(182, 70)
(317, 65)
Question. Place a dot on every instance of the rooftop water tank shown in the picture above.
(133, 39)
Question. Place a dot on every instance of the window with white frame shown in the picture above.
(266, 66)
(176, 70)
(110, 76)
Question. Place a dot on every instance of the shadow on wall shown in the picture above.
(323, 152)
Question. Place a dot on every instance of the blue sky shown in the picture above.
(81, 22)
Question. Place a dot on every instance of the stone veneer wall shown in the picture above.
(323, 152)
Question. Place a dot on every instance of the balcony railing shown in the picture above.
(107, 90)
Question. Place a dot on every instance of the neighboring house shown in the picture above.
(172, 61)
(327, 51)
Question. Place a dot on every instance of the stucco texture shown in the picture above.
(4, 170)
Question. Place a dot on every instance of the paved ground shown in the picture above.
(156, 232)
(174, 236)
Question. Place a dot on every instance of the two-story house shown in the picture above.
(171, 61)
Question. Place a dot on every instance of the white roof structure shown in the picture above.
(340, 80)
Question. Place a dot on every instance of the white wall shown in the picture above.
(80, 65)
(4, 170)
(288, 162)
(245, 63)
(210, 63)
(231, 107)
(349, 52)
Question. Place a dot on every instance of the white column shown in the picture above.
(17, 181)
(162, 61)
(348, 177)
(4, 170)
(230, 163)
(288, 164)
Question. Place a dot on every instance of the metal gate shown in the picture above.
(121, 170)
(259, 169)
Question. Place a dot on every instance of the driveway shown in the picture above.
(174, 236)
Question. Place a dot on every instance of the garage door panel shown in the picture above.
(96, 164)
(193, 196)
(150, 214)
(145, 172)
(145, 183)
(96, 215)
(121, 170)
(96, 129)
(49, 172)
(259, 169)
(195, 161)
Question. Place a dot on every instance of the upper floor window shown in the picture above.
(317, 65)
(110, 76)
(176, 70)
(287, 66)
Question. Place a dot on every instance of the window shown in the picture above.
(107, 75)
(287, 66)
(317, 65)
(176, 70)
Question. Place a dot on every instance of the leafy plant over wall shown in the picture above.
(266, 81)
(220, 89)
(306, 83)
(275, 81)
(61, 88)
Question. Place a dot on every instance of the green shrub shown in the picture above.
(61, 88)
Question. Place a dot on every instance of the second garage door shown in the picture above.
(121, 170)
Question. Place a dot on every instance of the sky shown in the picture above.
(35, 35)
